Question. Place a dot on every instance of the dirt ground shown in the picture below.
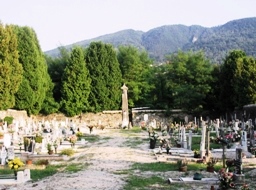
(106, 157)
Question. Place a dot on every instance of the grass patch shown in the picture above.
(140, 183)
(91, 138)
(135, 129)
(133, 142)
(196, 144)
(155, 167)
(6, 170)
(73, 168)
(48, 171)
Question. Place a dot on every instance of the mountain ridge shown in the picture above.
(215, 41)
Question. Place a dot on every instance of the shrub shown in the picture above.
(68, 152)
(42, 162)
(38, 139)
(8, 119)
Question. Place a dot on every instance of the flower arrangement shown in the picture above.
(79, 134)
(212, 162)
(196, 153)
(73, 139)
(182, 163)
(226, 179)
(15, 164)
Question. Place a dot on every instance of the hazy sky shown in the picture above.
(63, 22)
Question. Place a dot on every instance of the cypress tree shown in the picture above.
(106, 77)
(10, 68)
(35, 81)
(75, 84)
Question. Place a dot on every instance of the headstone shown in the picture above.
(10, 153)
(252, 140)
(20, 177)
(202, 144)
(3, 156)
(184, 138)
(239, 161)
(236, 128)
(146, 117)
(190, 140)
(244, 141)
(7, 140)
(217, 126)
(27, 175)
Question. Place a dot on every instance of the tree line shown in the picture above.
(90, 79)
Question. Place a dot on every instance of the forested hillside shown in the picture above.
(216, 42)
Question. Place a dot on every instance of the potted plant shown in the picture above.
(196, 153)
(15, 164)
(55, 146)
(72, 140)
(26, 143)
(182, 165)
(49, 148)
(210, 164)
(38, 138)
(152, 139)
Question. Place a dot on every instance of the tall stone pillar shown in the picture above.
(125, 110)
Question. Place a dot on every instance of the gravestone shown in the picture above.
(10, 153)
(3, 155)
(244, 141)
(202, 144)
(184, 138)
(190, 140)
(239, 176)
(7, 140)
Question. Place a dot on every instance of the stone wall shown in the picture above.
(109, 119)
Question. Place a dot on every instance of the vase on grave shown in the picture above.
(29, 162)
(183, 169)
(210, 169)
(152, 144)
(197, 176)
(50, 152)
(15, 174)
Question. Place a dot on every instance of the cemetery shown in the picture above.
(212, 145)
(194, 153)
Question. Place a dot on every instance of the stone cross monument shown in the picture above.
(125, 111)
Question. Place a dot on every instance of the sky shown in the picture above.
(64, 22)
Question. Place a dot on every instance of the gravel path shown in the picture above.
(105, 158)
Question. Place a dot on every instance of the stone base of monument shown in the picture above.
(239, 178)
(191, 180)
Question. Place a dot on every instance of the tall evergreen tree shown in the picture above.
(56, 66)
(106, 77)
(75, 84)
(10, 68)
(35, 81)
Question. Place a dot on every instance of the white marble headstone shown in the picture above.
(7, 140)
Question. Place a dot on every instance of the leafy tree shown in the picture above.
(35, 81)
(10, 68)
(237, 78)
(137, 74)
(189, 78)
(106, 77)
(162, 94)
(75, 84)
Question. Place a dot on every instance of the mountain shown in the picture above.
(216, 42)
